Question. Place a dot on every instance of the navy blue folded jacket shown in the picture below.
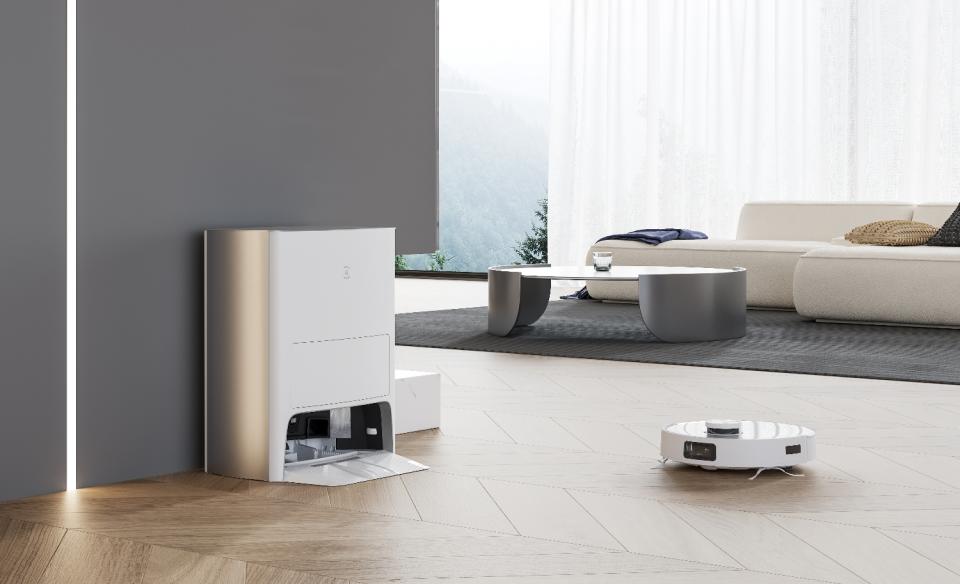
(656, 236)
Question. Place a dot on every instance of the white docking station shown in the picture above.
(299, 355)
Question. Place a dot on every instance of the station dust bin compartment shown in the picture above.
(299, 355)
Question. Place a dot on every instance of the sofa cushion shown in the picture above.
(770, 265)
(896, 233)
(907, 285)
(798, 221)
(949, 234)
(935, 214)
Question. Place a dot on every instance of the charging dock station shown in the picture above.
(299, 365)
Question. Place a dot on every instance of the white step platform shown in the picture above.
(417, 401)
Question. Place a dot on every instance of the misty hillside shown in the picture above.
(493, 169)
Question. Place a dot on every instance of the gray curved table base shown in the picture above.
(682, 308)
(676, 308)
(514, 300)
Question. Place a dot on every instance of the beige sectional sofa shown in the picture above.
(796, 259)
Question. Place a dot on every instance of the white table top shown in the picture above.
(617, 273)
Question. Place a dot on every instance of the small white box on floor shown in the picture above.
(417, 400)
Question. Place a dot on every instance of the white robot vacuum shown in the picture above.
(733, 444)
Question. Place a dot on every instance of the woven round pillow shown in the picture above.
(896, 232)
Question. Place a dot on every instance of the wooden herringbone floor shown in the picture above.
(544, 472)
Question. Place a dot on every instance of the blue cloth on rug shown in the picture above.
(656, 236)
(580, 294)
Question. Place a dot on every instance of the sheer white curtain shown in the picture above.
(672, 113)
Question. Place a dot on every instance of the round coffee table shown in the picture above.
(677, 304)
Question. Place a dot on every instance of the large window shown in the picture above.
(493, 130)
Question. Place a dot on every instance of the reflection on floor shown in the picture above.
(544, 472)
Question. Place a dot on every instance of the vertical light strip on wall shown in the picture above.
(71, 245)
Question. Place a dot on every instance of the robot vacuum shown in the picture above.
(733, 444)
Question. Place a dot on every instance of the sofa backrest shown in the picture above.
(935, 214)
(814, 221)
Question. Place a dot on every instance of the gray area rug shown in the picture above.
(775, 341)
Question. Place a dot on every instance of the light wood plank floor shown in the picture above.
(544, 472)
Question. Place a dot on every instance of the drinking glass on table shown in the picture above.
(602, 261)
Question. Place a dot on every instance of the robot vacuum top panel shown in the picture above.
(749, 430)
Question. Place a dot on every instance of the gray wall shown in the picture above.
(32, 247)
(205, 113)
